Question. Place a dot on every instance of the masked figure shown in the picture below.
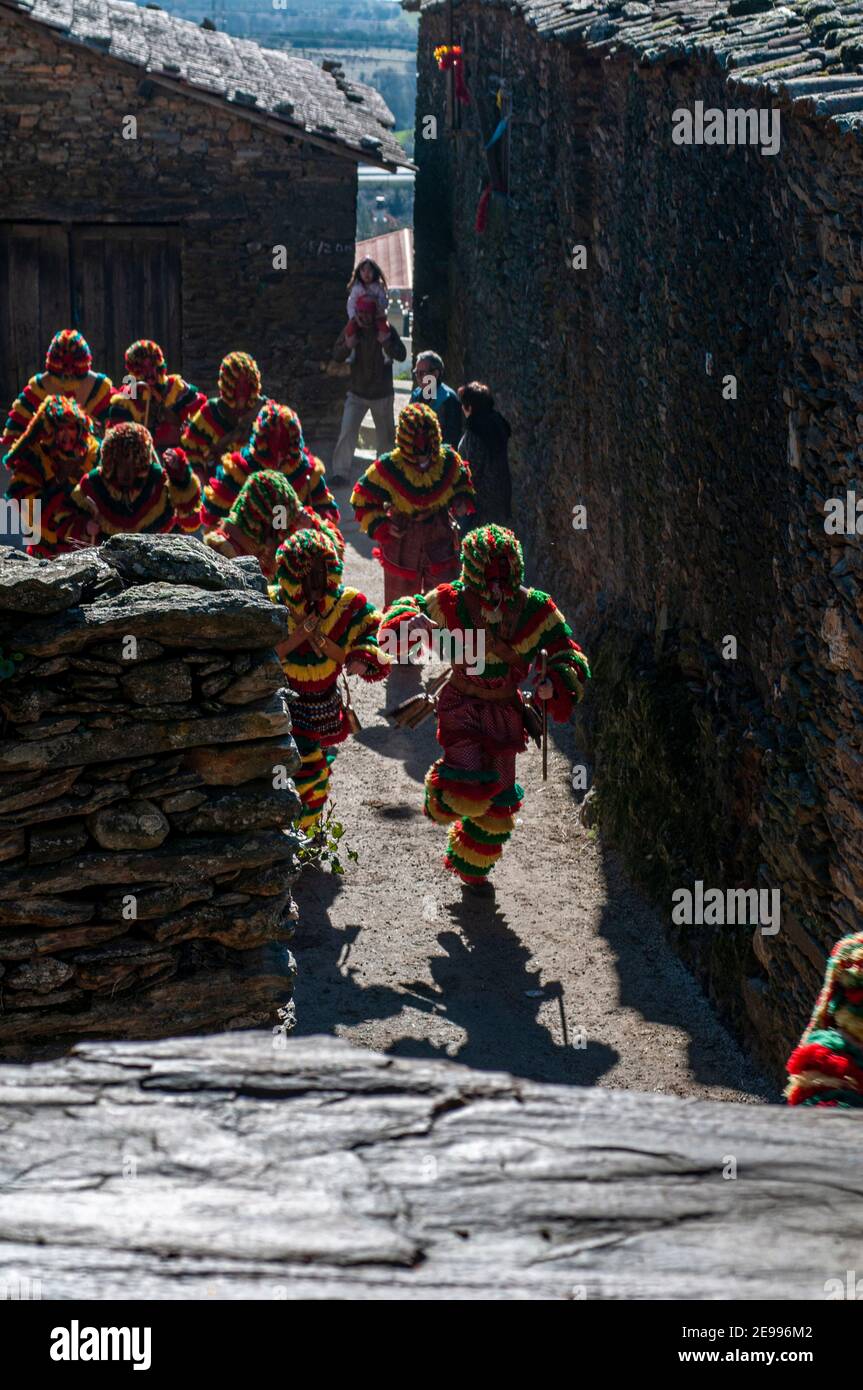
(150, 397)
(276, 443)
(68, 372)
(331, 628)
(826, 1068)
(481, 725)
(266, 512)
(130, 490)
(224, 422)
(46, 462)
(407, 502)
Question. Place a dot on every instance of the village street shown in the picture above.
(564, 976)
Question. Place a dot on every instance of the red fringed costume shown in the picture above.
(225, 421)
(276, 443)
(826, 1068)
(267, 510)
(472, 788)
(130, 490)
(160, 402)
(406, 502)
(330, 627)
(46, 462)
(68, 372)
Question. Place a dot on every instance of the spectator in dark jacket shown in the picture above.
(431, 390)
(485, 446)
(371, 388)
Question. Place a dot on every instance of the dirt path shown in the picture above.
(564, 976)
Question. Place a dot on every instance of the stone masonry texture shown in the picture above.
(146, 849)
(705, 512)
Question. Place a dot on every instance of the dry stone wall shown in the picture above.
(697, 388)
(145, 857)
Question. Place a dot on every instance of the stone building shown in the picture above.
(674, 331)
(150, 170)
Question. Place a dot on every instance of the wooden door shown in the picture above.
(35, 299)
(126, 285)
(114, 283)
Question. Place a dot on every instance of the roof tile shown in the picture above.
(272, 82)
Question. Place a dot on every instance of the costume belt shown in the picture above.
(465, 686)
(419, 518)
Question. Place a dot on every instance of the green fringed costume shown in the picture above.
(472, 788)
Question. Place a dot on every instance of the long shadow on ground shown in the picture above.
(481, 986)
(654, 981)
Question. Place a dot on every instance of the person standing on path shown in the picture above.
(132, 491)
(431, 390)
(485, 446)
(276, 442)
(371, 387)
(224, 422)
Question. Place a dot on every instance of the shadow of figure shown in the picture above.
(655, 982)
(415, 749)
(485, 987)
(327, 992)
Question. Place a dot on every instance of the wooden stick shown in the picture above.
(543, 670)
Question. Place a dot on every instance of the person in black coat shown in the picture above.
(485, 446)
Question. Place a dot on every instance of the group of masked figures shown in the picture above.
(156, 455)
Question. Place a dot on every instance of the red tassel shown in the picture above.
(461, 90)
(481, 222)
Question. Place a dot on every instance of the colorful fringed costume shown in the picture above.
(826, 1068)
(130, 490)
(46, 462)
(276, 443)
(152, 398)
(267, 510)
(68, 372)
(225, 421)
(472, 788)
(405, 502)
(329, 626)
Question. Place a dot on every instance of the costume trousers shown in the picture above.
(312, 779)
(477, 796)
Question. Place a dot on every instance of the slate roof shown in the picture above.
(807, 52)
(267, 83)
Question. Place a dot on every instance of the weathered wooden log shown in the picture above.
(253, 1166)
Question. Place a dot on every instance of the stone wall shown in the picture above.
(704, 514)
(145, 868)
(235, 190)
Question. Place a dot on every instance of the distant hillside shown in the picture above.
(374, 39)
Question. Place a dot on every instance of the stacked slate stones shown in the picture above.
(145, 859)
